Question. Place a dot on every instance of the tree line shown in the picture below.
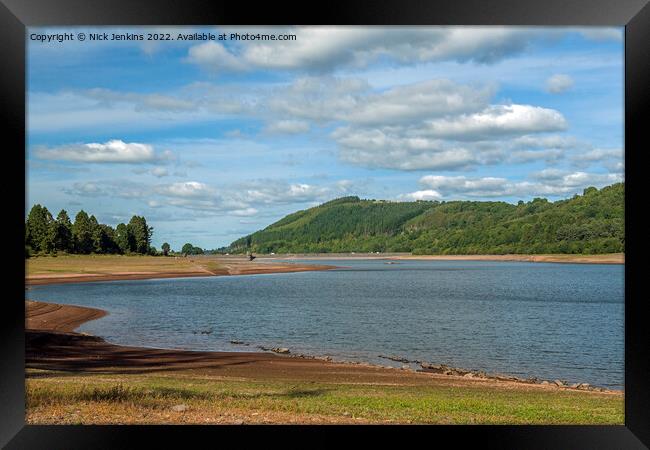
(589, 223)
(46, 235)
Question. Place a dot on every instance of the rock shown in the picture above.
(559, 383)
(575, 385)
(468, 375)
(584, 386)
(282, 350)
(179, 408)
(545, 382)
(405, 367)
(395, 358)
(236, 342)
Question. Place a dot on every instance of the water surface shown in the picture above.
(526, 319)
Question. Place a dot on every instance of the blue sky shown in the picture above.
(211, 140)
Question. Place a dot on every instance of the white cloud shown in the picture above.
(602, 33)
(559, 83)
(379, 148)
(325, 48)
(159, 172)
(155, 101)
(242, 199)
(114, 151)
(327, 99)
(548, 182)
(599, 154)
(526, 156)
(288, 126)
(546, 142)
(498, 121)
(187, 189)
(406, 104)
(427, 194)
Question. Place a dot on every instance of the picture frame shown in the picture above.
(16, 15)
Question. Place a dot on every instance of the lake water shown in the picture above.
(526, 319)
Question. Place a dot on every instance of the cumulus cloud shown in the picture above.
(559, 83)
(613, 159)
(456, 141)
(427, 194)
(327, 99)
(114, 151)
(325, 48)
(379, 148)
(549, 182)
(242, 199)
(498, 121)
(546, 142)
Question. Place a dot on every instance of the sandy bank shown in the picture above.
(231, 268)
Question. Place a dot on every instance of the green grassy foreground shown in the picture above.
(65, 398)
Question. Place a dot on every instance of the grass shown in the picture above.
(63, 398)
(109, 264)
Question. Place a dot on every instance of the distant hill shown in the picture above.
(589, 223)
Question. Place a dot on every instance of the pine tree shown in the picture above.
(38, 235)
(122, 238)
(63, 232)
(82, 233)
(141, 234)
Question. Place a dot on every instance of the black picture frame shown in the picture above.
(16, 15)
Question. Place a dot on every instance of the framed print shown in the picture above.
(397, 214)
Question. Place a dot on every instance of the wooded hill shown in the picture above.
(590, 223)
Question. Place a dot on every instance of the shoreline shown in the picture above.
(53, 344)
(610, 258)
(229, 270)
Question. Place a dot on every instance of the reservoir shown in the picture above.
(525, 319)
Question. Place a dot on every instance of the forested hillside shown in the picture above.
(589, 223)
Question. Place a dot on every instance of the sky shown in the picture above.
(212, 139)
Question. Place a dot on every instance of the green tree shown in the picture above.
(122, 239)
(189, 249)
(38, 234)
(165, 248)
(104, 239)
(82, 233)
(63, 232)
(140, 235)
